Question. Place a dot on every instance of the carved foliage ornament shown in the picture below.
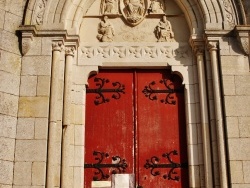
(39, 11)
(229, 12)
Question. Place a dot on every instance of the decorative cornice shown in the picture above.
(242, 33)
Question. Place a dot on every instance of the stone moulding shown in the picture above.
(242, 33)
(39, 11)
(161, 52)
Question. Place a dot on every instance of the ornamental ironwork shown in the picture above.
(118, 165)
(151, 93)
(100, 83)
(154, 164)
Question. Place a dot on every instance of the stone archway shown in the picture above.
(61, 25)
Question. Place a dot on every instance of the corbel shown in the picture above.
(242, 33)
(27, 39)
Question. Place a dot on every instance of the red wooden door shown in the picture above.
(135, 123)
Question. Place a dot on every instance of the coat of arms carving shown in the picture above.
(133, 11)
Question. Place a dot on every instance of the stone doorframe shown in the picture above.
(198, 66)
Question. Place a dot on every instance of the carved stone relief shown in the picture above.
(39, 11)
(163, 31)
(105, 30)
(229, 12)
(156, 7)
(109, 7)
(133, 11)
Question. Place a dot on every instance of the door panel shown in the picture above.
(142, 122)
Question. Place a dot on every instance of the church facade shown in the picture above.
(98, 92)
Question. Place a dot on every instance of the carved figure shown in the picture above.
(156, 7)
(109, 6)
(163, 31)
(105, 30)
(135, 9)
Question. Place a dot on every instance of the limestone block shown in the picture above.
(28, 86)
(2, 12)
(36, 47)
(36, 65)
(38, 173)
(8, 126)
(41, 128)
(236, 170)
(33, 107)
(8, 104)
(10, 62)
(191, 113)
(239, 148)
(237, 105)
(234, 65)
(17, 8)
(22, 173)
(240, 185)
(6, 186)
(242, 84)
(25, 128)
(244, 126)
(246, 171)
(7, 148)
(31, 150)
(78, 177)
(192, 133)
(10, 42)
(194, 177)
(43, 86)
(9, 83)
(232, 127)
(79, 152)
(6, 172)
(12, 21)
(78, 116)
(228, 85)
(46, 46)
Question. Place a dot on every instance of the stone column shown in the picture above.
(212, 46)
(54, 142)
(204, 117)
(67, 172)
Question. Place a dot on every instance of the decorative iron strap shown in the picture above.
(154, 164)
(151, 93)
(100, 82)
(118, 166)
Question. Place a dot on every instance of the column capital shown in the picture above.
(198, 46)
(70, 50)
(57, 45)
(212, 45)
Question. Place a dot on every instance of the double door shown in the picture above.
(135, 124)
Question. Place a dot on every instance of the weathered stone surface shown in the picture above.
(33, 107)
(43, 86)
(28, 86)
(242, 84)
(41, 128)
(11, 22)
(6, 172)
(38, 173)
(229, 85)
(244, 127)
(234, 65)
(9, 83)
(36, 47)
(25, 128)
(8, 104)
(10, 62)
(31, 150)
(7, 146)
(36, 65)
(239, 149)
(236, 169)
(9, 42)
(232, 127)
(7, 126)
(22, 173)
(2, 12)
(246, 171)
(237, 105)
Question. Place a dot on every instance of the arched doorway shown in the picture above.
(135, 124)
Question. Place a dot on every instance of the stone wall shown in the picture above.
(235, 80)
(10, 66)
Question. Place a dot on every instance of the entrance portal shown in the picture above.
(135, 124)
